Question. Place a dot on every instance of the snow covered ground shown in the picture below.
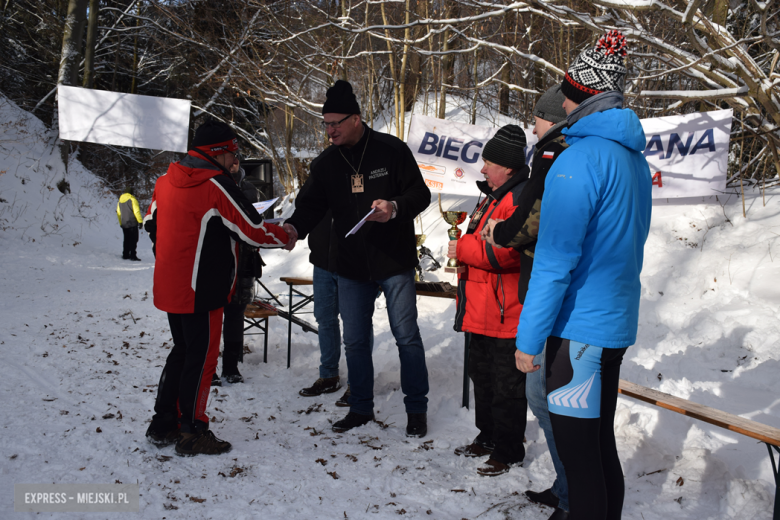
(83, 347)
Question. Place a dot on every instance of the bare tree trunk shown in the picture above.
(135, 49)
(476, 89)
(89, 52)
(401, 110)
(72, 35)
(503, 90)
(510, 24)
(392, 67)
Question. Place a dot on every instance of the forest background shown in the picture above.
(264, 66)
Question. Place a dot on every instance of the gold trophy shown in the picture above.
(453, 218)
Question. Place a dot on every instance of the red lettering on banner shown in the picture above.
(657, 181)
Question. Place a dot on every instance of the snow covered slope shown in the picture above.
(83, 347)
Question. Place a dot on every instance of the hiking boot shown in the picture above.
(215, 380)
(135, 258)
(125, 256)
(352, 420)
(545, 497)
(475, 449)
(204, 442)
(417, 424)
(344, 399)
(493, 468)
(230, 369)
(323, 385)
(233, 378)
(162, 435)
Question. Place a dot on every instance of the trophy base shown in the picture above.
(455, 270)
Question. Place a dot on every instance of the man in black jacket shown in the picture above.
(366, 171)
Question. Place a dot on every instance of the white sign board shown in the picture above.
(687, 154)
(449, 154)
(98, 116)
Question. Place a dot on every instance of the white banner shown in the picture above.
(450, 154)
(98, 116)
(687, 154)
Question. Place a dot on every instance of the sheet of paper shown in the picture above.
(360, 224)
(262, 206)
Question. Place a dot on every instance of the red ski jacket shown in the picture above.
(487, 300)
(196, 217)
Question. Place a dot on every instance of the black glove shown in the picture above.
(140, 225)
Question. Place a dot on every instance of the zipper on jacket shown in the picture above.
(500, 303)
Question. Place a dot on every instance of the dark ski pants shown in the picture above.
(130, 241)
(186, 379)
(500, 405)
(587, 446)
(233, 337)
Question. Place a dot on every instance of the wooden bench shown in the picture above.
(292, 309)
(761, 432)
(257, 317)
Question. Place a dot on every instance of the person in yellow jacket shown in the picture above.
(129, 214)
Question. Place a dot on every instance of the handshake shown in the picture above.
(292, 234)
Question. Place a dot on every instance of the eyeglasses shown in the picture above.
(336, 124)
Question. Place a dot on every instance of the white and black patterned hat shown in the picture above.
(597, 70)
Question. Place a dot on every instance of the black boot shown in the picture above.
(352, 420)
(545, 497)
(232, 354)
(417, 425)
(163, 431)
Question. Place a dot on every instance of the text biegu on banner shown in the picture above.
(687, 154)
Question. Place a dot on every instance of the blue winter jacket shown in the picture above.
(594, 222)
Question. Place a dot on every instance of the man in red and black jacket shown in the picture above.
(197, 217)
(488, 308)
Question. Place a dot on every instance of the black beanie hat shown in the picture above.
(215, 138)
(340, 99)
(597, 70)
(507, 147)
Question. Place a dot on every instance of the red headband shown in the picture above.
(218, 148)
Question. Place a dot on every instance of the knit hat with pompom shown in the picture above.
(597, 70)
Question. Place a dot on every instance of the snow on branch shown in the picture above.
(695, 94)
